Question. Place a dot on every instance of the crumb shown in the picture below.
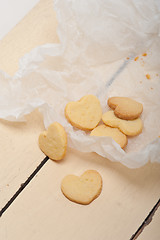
(151, 88)
(127, 58)
(136, 58)
(144, 54)
(148, 76)
(7, 185)
(140, 81)
(157, 75)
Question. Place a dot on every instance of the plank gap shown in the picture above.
(23, 185)
(147, 221)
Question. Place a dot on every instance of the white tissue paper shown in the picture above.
(96, 39)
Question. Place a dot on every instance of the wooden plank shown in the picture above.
(37, 28)
(19, 153)
(42, 212)
(19, 149)
(152, 231)
(146, 222)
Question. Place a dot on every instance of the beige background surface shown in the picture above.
(41, 211)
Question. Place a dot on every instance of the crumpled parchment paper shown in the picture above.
(99, 40)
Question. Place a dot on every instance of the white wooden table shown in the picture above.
(41, 211)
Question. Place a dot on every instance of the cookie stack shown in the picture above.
(122, 121)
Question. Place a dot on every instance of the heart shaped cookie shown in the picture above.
(114, 133)
(84, 114)
(128, 127)
(125, 108)
(83, 189)
(53, 142)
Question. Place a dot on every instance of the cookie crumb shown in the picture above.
(151, 88)
(136, 58)
(157, 75)
(148, 76)
(144, 54)
(127, 58)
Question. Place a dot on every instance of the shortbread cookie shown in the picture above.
(114, 133)
(53, 142)
(83, 189)
(125, 108)
(84, 114)
(128, 127)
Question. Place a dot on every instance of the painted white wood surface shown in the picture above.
(11, 12)
(37, 28)
(41, 211)
(20, 154)
(152, 231)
